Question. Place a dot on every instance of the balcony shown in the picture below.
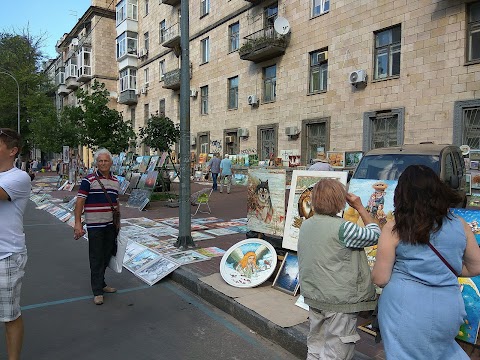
(171, 80)
(171, 37)
(255, 1)
(71, 80)
(62, 90)
(128, 97)
(263, 45)
(84, 73)
(171, 2)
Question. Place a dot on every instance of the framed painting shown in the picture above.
(299, 207)
(468, 331)
(187, 257)
(474, 155)
(161, 160)
(153, 163)
(144, 164)
(352, 158)
(266, 200)
(248, 263)
(287, 276)
(336, 159)
(140, 260)
(475, 180)
(137, 198)
(151, 180)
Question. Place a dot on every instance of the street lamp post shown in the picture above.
(18, 98)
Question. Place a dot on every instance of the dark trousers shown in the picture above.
(214, 178)
(101, 242)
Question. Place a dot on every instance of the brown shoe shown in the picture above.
(98, 300)
(109, 289)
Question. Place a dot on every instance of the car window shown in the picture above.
(390, 166)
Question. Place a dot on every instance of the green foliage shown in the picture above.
(103, 127)
(160, 133)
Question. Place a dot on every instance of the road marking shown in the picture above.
(80, 298)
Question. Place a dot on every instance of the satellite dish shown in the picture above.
(75, 41)
(281, 26)
(465, 149)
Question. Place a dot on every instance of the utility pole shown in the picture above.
(184, 239)
(18, 98)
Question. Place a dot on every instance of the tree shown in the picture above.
(160, 134)
(103, 127)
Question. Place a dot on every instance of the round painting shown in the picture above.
(248, 263)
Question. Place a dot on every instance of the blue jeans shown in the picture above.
(214, 178)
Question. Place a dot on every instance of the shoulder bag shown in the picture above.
(443, 259)
(115, 211)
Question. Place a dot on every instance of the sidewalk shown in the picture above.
(230, 206)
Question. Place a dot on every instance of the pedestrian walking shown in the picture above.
(334, 273)
(226, 173)
(14, 194)
(419, 257)
(214, 167)
(95, 202)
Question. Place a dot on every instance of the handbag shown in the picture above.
(115, 211)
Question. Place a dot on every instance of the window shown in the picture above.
(315, 137)
(320, 7)
(127, 44)
(161, 69)
(383, 128)
(128, 79)
(132, 118)
(232, 146)
(146, 7)
(270, 15)
(473, 29)
(269, 83)
(318, 71)
(126, 9)
(466, 123)
(267, 140)
(387, 53)
(146, 76)
(161, 107)
(204, 147)
(204, 46)
(233, 93)
(204, 100)
(234, 37)
(163, 28)
(146, 40)
(204, 7)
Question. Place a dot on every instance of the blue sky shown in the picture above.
(52, 18)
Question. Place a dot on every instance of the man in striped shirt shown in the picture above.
(92, 200)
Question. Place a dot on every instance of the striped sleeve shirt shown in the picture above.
(354, 236)
(97, 209)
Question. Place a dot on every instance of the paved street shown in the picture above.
(164, 321)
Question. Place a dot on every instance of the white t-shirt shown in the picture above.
(16, 184)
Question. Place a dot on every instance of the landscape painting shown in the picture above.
(287, 276)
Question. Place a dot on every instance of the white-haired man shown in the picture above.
(93, 201)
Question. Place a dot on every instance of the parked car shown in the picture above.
(388, 163)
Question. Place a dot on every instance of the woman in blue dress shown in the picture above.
(421, 307)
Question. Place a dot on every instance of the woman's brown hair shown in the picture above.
(421, 203)
(328, 197)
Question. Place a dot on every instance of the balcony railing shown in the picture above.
(171, 79)
(71, 77)
(255, 1)
(171, 36)
(171, 2)
(128, 97)
(263, 45)
(62, 90)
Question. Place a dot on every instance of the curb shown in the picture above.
(290, 339)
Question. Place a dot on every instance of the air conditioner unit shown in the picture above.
(291, 131)
(193, 93)
(143, 90)
(242, 132)
(357, 77)
(229, 139)
(252, 100)
(142, 52)
(193, 140)
(322, 56)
